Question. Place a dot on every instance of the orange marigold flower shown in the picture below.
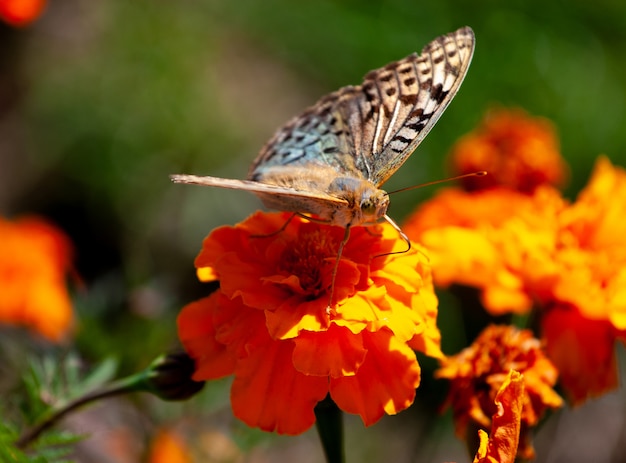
(34, 259)
(523, 251)
(501, 447)
(518, 152)
(498, 240)
(588, 301)
(593, 248)
(269, 323)
(21, 12)
(478, 372)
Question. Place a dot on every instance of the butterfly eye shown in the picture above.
(369, 207)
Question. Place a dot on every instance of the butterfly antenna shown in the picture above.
(480, 173)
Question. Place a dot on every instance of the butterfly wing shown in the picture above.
(318, 139)
(404, 100)
(368, 131)
(273, 196)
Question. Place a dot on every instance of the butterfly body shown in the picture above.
(331, 160)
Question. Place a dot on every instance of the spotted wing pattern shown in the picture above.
(368, 131)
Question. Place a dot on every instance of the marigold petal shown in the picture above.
(335, 353)
(294, 316)
(401, 272)
(206, 274)
(583, 350)
(270, 394)
(241, 328)
(361, 310)
(197, 334)
(460, 255)
(428, 338)
(241, 279)
(385, 382)
(505, 431)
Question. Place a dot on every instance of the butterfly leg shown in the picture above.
(370, 232)
(406, 239)
(281, 229)
(346, 236)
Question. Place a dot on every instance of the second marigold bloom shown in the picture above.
(477, 373)
(270, 324)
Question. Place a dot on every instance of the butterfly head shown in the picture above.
(374, 204)
(366, 203)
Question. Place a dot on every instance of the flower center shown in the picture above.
(305, 258)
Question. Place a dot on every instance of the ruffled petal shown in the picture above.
(385, 383)
(335, 353)
(502, 446)
(270, 394)
(197, 334)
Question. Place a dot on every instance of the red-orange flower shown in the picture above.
(478, 372)
(21, 12)
(501, 446)
(270, 324)
(34, 260)
(517, 151)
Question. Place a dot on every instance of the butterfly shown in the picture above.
(329, 162)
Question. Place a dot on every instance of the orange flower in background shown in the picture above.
(501, 447)
(497, 240)
(518, 151)
(21, 12)
(168, 447)
(587, 303)
(478, 372)
(523, 251)
(270, 324)
(593, 249)
(34, 260)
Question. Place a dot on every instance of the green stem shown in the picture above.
(122, 386)
(329, 425)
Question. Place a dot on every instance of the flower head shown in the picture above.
(269, 324)
(478, 372)
(518, 152)
(21, 12)
(34, 259)
(537, 251)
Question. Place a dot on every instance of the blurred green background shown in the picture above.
(101, 100)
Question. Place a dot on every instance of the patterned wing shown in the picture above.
(368, 131)
(317, 137)
(404, 100)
